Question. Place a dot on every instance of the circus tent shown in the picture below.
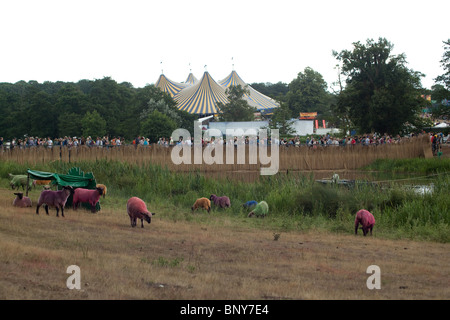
(191, 79)
(201, 96)
(169, 86)
(255, 99)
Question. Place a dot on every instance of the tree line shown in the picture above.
(375, 91)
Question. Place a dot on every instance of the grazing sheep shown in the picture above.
(137, 209)
(99, 185)
(204, 203)
(260, 210)
(250, 204)
(43, 182)
(222, 202)
(55, 199)
(20, 180)
(90, 196)
(367, 221)
(21, 200)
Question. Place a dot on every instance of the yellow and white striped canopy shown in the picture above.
(202, 97)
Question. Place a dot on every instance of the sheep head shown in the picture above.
(19, 195)
(69, 189)
(100, 191)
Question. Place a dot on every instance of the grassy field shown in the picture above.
(224, 255)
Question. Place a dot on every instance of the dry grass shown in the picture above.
(214, 257)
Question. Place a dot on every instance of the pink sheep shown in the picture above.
(137, 209)
(21, 200)
(222, 202)
(367, 221)
(90, 196)
(55, 199)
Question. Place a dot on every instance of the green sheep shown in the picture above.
(20, 180)
(261, 209)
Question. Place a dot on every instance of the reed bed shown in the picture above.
(302, 158)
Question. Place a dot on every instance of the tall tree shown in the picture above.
(93, 124)
(237, 109)
(157, 125)
(445, 63)
(381, 93)
(308, 93)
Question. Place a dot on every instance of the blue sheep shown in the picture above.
(250, 204)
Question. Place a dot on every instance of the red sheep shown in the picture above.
(90, 196)
(367, 221)
(137, 209)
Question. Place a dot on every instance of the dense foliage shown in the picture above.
(87, 107)
(381, 94)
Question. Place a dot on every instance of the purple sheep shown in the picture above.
(367, 221)
(55, 199)
(90, 196)
(222, 202)
(21, 200)
(137, 209)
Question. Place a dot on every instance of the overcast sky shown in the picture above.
(267, 41)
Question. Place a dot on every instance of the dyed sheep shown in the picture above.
(21, 200)
(55, 199)
(261, 209)
(137, 209)
(204, 203)
(222, 202)
(90, 196)
(250, 204)
(367, 221)
(99, 185)
(43, 182)
(20, 180)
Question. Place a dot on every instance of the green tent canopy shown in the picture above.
(75, 178)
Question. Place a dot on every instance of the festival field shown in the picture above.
(184, 255)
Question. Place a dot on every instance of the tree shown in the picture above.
(308, 93)
(381, 93)
(93, 125)
(281, 120)
(445, 63)
(157, 125)
(237, 109)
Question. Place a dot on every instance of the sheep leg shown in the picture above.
(142, 223)
(46, 208)
(57, 211)
(62, 211)
(37, 209)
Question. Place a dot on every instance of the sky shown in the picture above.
(136, 41)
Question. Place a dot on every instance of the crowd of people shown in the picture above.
(437, 139)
